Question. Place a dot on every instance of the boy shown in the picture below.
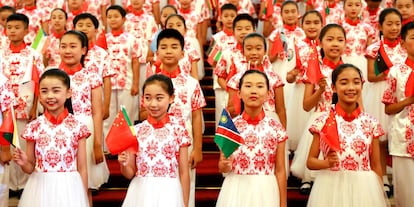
(23, 66)
(189, 99)
(37, 17)
(151, 7)
(124, 51)
(406, 8)
(5, 11)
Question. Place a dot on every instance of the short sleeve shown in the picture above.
(83, 132)
(377, 130)
(6, 95)
(184, 139)
(233, 83)
(372, 50)
(317, 125)
(137, 46)
(389, 96)
(281, 133)
(197, 99)
(30, 131)
(95, 80)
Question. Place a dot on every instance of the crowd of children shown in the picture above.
(290, 73)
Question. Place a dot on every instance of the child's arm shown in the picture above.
(371, 72)
(375, 158)
(267, 28)
(156, 12)
(311, 97)
(280, 173)
(26, 160)
(395, 108)
(184, 174)
(197, 154)
(5, 155)
(135, 77)
(127, 161)
(33, 110)
(81, 161)
(222, 83)
(97, 123)
(107, 85)
(224, 164)
(280, 106)
(103, 16)
(194, 70)
(313, 163)
(230, 104)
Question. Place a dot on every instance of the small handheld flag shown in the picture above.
(213, 53)
(382, 61)
(227, 136)
(329, 136)
(121, 136)
(313, 72)
(41, 42)
(8, 130)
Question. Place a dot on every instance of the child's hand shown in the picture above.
(332, 159)
(5, 157)
(224, 164)
(19, 157)
(123, 158)
(196, 157)
(322, 84)
(98, 153)
(134, 90)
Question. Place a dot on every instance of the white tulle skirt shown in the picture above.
(374, 106)
(296, 116)
(248, 191)
(154, 192)
(347, 188)
(54, 189)
(282, 67)
(298, 167)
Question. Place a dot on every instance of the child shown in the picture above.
(97, 56)
(22, 65)
(151, 7)
(370, 15)
(256, 170)
(331, 10)
(139, 23)
(166, 11)
(189, 99)
(272, 19)
(193, 19)
(399, 105)
(55, 155)
(95, 7)
(37, 17)
(190, 62)
(5, 11)
(406, 8)
(307, 51)
(359, 36)
(51, 57)
(318, 97)
(87, 103)
(124, 51)
(355, 163)
(243, 6)
(160, 176)
(390, 27)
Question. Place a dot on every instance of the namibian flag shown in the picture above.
(121, 136)
(382, 62)
(213, 53)
(8, 130)
(227, 136)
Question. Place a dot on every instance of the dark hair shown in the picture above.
(169, 6)
(255, 34)
(86, 16)
(60, 9)
(384, 13)
(162, 80)
(118, 8)
(82, 38)
(325, 29)
(337, 71)
(178, 16)
(170, 33)
(312, 12)
(63, 76)
(19, 17)
(285, 3)
(248, 72)
(241, 17)
(407, 27)
(8, 8)
(228, 7)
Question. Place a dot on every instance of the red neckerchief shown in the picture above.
(228, 32)
(391, 44)
(331, 64)
(59, 119)
(30, 8)
(352, 22)
(331, 5)
(91, 45)
(239, 47)
(136, 12)
(409, 86)
(185, 11)
(372, 12)
(57, 35)
(406, 21)
(312, 43)
(158, 124)
(70, 71)
(171, 74)
(255, 120)
(290, 28)
(116, 33)
(348, 117)
(18, 48)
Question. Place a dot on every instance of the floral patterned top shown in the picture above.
(6, 94)
(357, 35)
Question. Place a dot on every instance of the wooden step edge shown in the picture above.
(113, 188)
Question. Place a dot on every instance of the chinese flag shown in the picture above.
(277, 46)
(121, 136)
(313, 72)
(329, 134)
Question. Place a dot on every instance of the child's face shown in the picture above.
(333, 43)
(166, 12)
(227, 18)
(290, 14)
(137, 4)
(241, 29)
(391, 27)
(408, 43)
(185, 4)
(348, 86)
(58, 20)
(16, 30)
(177, 24)
(169, 51)
(75, 4)
(406, 8)
(312, 26)
(86, 26)
(352, 8)
(115, 19)
(71, 50)
(156, 100)
(3, 17)
(254, 50)
(254, 91)
(53, 94)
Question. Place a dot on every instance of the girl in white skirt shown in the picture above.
(318, 97)
(350, 170)
(256, 174)
(160, 168)
(56, 149)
